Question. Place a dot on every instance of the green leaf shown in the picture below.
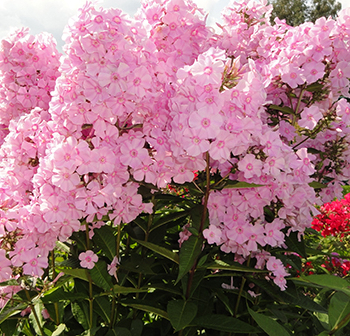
(136, 328)
(181, 313)
(74, 272)
(80, 312)
(189, 252)
(173, 256)
(145, 307)
(100, 276)
(317, 185)
(8, 326)
(170, 218)
(104, 238)
(239, 185)
(8, 312)
(138, 264)
(269, 325)
(314, 87)
(291, 296)
(296, 245)
(327, 280)
(284, 109)
(221, 265)
(224, 323)
(59, 294)
(338, 309)
(122, 332)
(127, 290)
(102, 307)
(59, 330)
(38, 323)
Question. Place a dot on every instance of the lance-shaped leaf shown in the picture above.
(189, 253)
(328, 281)
(221, 265)
(181, 313)
(100, 276)
(171, 217)
(339, 310)
(284, 109)
(138, 304)
(224, 323)
(104, 238)
(268, 324)
(173, 256)
(240, 185)
(126, 290)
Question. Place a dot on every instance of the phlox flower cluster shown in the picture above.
(334, 219)
(155, 98)
(28, 72)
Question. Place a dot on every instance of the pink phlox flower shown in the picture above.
(339, 76)
(34, 263)
(133, 153)
(274, 165)
(220, 148)
(193, 143)
(287, 130)
(238, 233)
(88, 259)
(65, 179)
(256, 236)
(343, 110)
(206, 125)
(278, 270)
(5, 269)
(65, 154)
(273, 235)
(139, 81)
(184, 234)
(103, 160)
(183, 172)
(305, 161)
(313, 71)
(293, 75)
(53, 208)
(89, 199)
(212, 235)
(209, 67)
(250, 166)
(309, 117)
(112, 268)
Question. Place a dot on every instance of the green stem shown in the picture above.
(298, 105)
(34, 312)
(87, 235)
(204, 216)
(340, 324)
(241, 290)
(91, 299)
(57, 319)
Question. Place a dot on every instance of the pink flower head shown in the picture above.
(212, 234)
(88, 259)
(309, 117)
(250, 166)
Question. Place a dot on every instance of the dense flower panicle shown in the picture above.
(153, 100)
(334, 218)
(28, 71)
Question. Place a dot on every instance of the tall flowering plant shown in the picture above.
(165, 159)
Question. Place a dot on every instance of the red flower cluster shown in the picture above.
(334, 218)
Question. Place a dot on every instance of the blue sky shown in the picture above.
(52, 15)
